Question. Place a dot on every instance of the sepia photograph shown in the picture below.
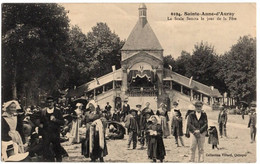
(129, 82)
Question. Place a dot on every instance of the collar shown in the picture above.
(198, 115)
(6, 114)
(50, 110)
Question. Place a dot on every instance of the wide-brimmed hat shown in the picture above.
(138, 105)
(133, 110)
(49, 99)
(175, 103)
(156, 117)
(148, 111)
(253, 104)
(198, 104)
(8, 103)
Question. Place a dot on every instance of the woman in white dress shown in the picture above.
(77, 117)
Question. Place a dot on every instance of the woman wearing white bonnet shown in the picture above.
(78, 116)
(12, 128)
(94, 145)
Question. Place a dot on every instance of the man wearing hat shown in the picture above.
(50, 121)
(252, 121)
(144, 116)
(126, 108)
(197, 125)
(222, 122)
(172, 112)
(132, 127)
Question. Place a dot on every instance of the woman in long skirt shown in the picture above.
(156, 149)
(77, 115)
(94, 146)
(163, 115)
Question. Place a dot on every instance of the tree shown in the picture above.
(169, 61)
(77, 63)
(203, 65)
(239, 69)
(103, 50)
(183, 62)
(34, 38)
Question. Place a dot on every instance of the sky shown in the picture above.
(174, 35)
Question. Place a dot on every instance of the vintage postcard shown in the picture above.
(129, 82)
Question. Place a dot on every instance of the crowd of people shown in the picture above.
(38, 132)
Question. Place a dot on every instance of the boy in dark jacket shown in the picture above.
(213, 137)
(252, 121)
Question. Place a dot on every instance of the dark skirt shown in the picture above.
(97, 151)
(156, 147)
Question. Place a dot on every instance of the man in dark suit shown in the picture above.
(197, 125)
(50, 121)
(222, 122)
(126, 108)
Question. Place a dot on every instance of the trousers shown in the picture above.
(132, 137)
(252, 132)
(222, 129)
(197, 142)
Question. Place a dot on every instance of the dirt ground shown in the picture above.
(236, 148)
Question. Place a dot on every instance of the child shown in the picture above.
(156, 149)
(252, 121)
(177, 130)
(131, 123)
(213, 137)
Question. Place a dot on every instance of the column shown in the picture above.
(201, 98)
(94, 94)
(160, 81)
(124, 80)
(181, 89)
(171, 85)
(103, 89)
(114, 84)
(191, 94)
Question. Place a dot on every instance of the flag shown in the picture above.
(170, 67)
(97, 81)
(190, 80)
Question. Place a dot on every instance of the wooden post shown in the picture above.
(191, 94)
(171, 85)
(114, 84)
(103, 89)
(181, 89)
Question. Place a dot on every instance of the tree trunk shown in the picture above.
(14, 87)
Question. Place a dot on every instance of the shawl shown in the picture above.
(96, 126)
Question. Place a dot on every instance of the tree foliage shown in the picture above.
(239, 69)
(33, 39)
(103, 49)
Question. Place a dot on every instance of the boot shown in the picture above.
(101, 159)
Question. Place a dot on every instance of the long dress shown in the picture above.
(96, 150)
(164, 121)
(76, 124)
(155, 149)
(10, 131)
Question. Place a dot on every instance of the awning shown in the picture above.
(146, 73)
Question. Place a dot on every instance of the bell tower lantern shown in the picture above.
(142, 14)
